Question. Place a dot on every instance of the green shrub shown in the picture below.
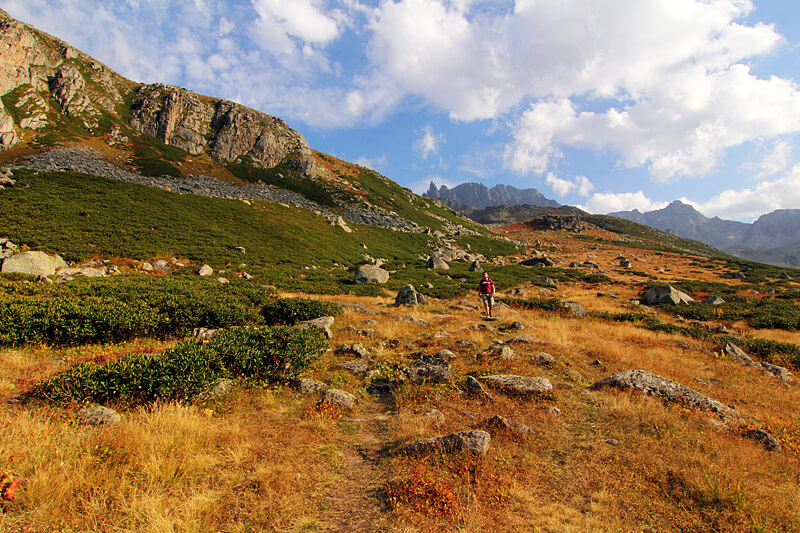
(294, 310)
(545, 304)
(255, 355)
(116, 309)
(776, 352)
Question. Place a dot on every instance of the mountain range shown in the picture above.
(479, 196)
(773, 238)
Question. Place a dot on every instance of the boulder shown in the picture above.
(519, 385)
(543, 358)
(220, 388)
(34, 263)
(522, 338)
(429, 369)
(475, 267)
(544, 282)
(474, 388)
(311, 386)
(370, 274)
(575, 309)
(713, 300)
(668, 391)
(325, 323)
(500, 424)
(436, 262)
(475, 442)
(205, 270)
(666, 294)
(337, 399)
(537, 262)
(765, 439)
(409, 296)
(97, 415)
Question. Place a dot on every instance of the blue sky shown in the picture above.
(605, 104)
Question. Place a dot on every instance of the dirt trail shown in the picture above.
(354, 504)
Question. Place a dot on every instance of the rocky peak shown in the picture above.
(226, 130)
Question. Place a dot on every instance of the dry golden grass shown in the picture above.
(270, 460)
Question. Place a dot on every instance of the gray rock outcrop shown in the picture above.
(669, 391)
(325, 323)
(436, 262)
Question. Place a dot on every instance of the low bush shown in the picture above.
(267, 354)
(116, 309)
(545, 304)
(294, 310)
(776, 352)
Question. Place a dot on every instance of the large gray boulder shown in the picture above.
(33, 263)
(666, 294)
(669, 391)
(325, 323)
(409, 296)
(519, 385)
(370, 274)
(436, 262)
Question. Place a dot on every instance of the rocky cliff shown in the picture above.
(43, 80)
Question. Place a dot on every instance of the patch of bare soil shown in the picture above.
(354, 504)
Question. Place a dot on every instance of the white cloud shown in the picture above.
(429, 142)
(375, 163)
(562, 187)
(278, 20)
(673, 70)
(775, 161)
(608, 202)
(749, 203)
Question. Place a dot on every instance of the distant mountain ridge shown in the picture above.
(480, 196)
(773, 238)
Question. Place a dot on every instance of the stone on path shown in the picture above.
(338, 399)
(475, 442)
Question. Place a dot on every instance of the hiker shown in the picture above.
(486, 290)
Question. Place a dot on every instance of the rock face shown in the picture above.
(571, 223)
(666, 294)
(226, 130)
(33, 263)
(370, 274)
(666, 389)
(479, 196)
(409, 296)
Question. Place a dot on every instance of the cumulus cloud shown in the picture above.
(429, 142)
(375, 163)
(777, 160)
(679, 92)
(749, 203)
(602, 203)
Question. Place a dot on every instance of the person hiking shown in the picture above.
(486, 290)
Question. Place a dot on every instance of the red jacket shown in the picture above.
(486, 286)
